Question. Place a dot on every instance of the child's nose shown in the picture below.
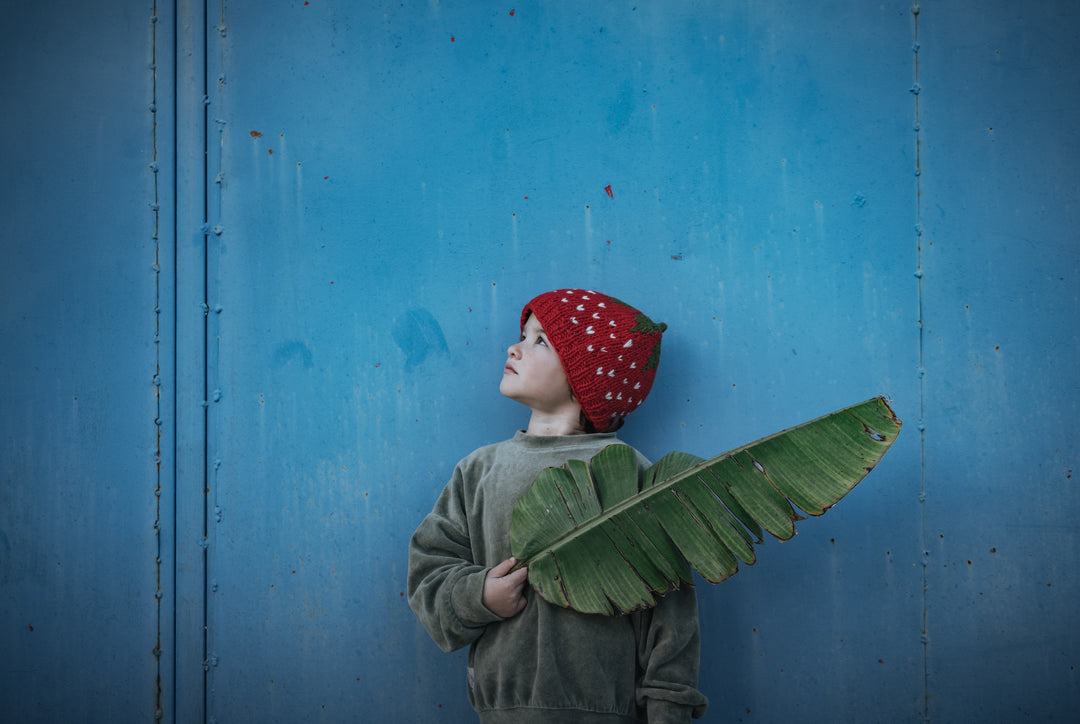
(514, 350)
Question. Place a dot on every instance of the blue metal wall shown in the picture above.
(261, 262)
(85, 364)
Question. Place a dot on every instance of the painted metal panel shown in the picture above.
(1001, 297)
(84, 366)
(191, 394)
(245, 418)
(394, 186)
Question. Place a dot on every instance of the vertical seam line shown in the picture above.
(154, 168)
(206, 370)
(916, 89)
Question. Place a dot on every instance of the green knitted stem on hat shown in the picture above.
(647, 326)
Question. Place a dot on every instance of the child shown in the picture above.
(584, 361)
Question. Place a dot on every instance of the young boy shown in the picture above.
(584, 361)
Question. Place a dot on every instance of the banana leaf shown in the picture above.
(602, 537)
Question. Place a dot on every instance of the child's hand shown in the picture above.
(504, 592)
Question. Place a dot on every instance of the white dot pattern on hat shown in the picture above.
(608, 383)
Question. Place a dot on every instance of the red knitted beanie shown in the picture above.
(608, 349)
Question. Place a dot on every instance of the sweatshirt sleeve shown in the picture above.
(445, 585)
(669, 651)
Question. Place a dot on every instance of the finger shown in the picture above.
(501, 570)
(517, 578)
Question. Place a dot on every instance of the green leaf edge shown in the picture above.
(888, 433)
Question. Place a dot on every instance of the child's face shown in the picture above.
(534, 374)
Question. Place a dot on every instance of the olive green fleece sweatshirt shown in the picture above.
(546, 664)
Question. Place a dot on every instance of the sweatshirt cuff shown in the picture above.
(468, 601)
(668, 712)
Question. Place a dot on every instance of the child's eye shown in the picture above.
(540, 340)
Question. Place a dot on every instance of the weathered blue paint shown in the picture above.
(193, 187)
(82, 344)
(1002, 312)
(346, 207)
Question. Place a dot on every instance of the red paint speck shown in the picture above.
(881, 661)
(31, 627)
(609, 241)
(256, 134)
(452, 38)
(511, 13)
(526, 198)
(325, 177)
(331, 281)
(378, 365)
(608, 191)
(270, 151)
(294, 573)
